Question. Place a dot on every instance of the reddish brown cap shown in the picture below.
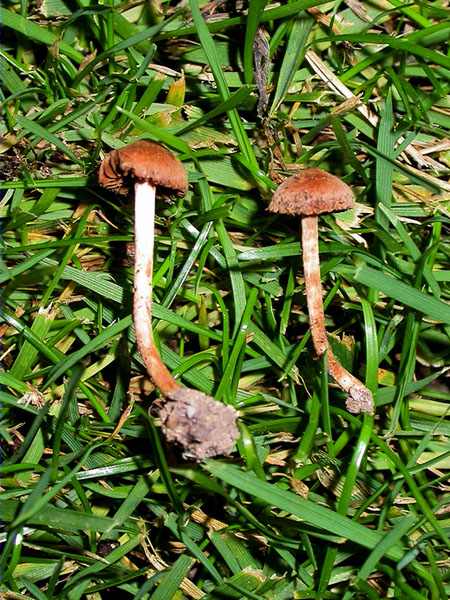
(311, 192)
(142, 161)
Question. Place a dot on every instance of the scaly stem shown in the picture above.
(360, 398)
(144, 225)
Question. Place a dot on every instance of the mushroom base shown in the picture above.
(200, 425)
(360, 400)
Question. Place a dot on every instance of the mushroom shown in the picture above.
(202, 426)
(310, 193)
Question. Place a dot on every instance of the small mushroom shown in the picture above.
(202, 426)
(308, 194)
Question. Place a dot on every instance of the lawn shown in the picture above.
(313, 502)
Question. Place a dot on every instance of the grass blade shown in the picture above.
(313, 514)
(403, 293)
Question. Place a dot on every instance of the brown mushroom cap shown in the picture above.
(142, 161)
(311, 192)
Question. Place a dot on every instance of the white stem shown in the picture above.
(144, 229)
(144, 226)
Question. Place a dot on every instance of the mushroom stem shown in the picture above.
(144, 224)
(360, 398)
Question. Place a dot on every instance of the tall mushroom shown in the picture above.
(202, 426)
(310, 193)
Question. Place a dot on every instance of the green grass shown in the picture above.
(314, 502)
